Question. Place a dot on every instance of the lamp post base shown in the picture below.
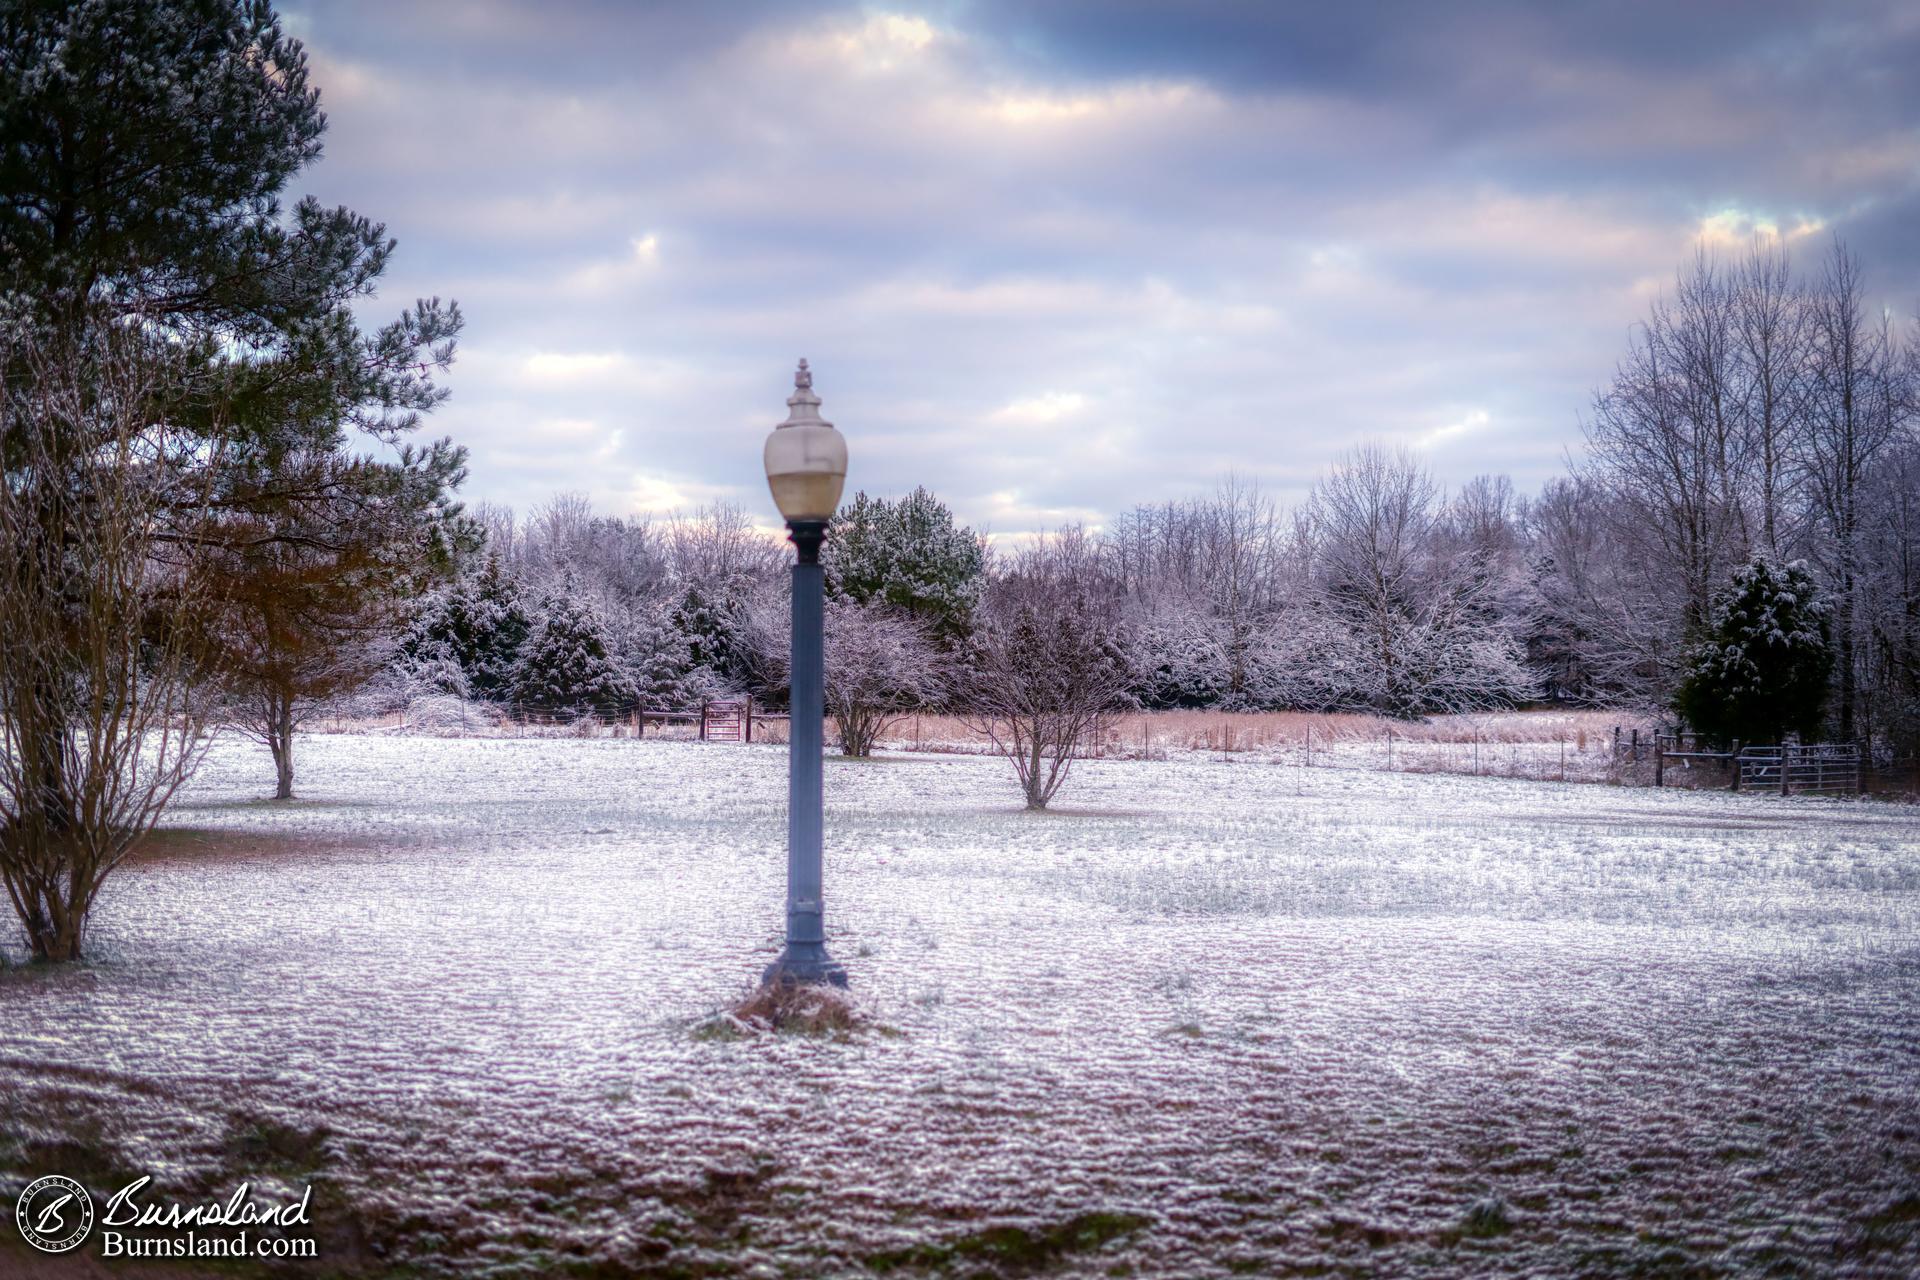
(805, 964)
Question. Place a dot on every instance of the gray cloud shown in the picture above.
(1053, 260)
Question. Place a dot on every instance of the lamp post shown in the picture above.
(806, 466)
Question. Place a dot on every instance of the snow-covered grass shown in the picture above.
(1205, 1018)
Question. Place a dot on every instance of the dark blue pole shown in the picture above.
(805, 958)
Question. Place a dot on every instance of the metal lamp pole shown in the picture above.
(806, 467)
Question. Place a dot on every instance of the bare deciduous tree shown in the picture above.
(1858, 407)
(881, 665)
(1661, 447)
(717, 544)
(1771, 333)
(97, 725)
(1045, 663)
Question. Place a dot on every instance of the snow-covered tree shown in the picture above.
(565, 664)
(1761, 671)
(1046, 661)
(654, 658)
(908, 555)
(481, 624)
(1396, 620)
(1180, 655)
(711, 621)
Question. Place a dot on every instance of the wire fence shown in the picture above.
(1545, 746)
(717, 719)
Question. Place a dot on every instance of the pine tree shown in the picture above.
(565, 665)
(1761, 672)
(480, 624)
(910, 556)
(498, 630)
(713, 625)
(654, 657)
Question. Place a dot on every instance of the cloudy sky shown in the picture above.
(1053, 259)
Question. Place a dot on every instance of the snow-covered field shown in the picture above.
(1208, 1018)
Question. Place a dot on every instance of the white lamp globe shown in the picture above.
(806, 458)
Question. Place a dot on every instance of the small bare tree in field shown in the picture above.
(97, 728)
(1044, 665)
(882, 665)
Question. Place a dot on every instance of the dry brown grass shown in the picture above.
(784, 1008)
(1145, 733)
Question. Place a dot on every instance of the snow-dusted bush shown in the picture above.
(447, 714)
(881, 664)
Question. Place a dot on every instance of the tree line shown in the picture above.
(214, 508)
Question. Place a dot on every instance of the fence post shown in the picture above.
(1659, 761)
(1736, 764)
(703, 719)
(747, 728)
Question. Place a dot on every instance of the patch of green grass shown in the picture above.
(1012, 1249)
(1485, 1219)
(257, 1143)
(78, 1147)
(1893, 1226)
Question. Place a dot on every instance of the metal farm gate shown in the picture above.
(1826, 768)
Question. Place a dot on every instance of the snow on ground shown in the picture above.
(1208, 1018)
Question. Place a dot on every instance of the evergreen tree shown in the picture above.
(1180, 659)
(498, 627)
(480, 624)
(654, 657)
(712, 623)
(908, 555)
(1761, 672)
(310, 615)
(565, 665)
